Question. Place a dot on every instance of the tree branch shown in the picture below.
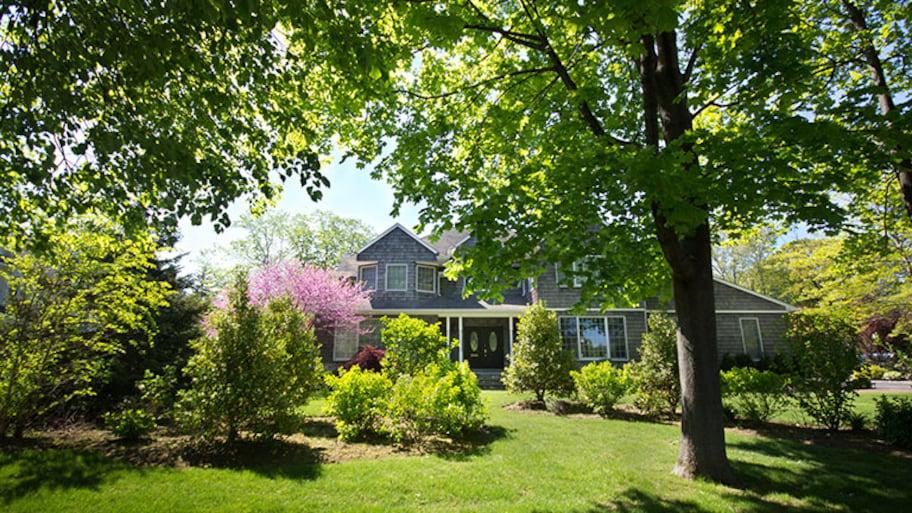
(527, 40)
(691, 62)
(475, 85)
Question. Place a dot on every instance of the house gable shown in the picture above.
(732, 298)
(396, 236)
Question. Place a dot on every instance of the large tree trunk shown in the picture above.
(689, 255)
(702, 449)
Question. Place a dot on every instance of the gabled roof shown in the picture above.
(448, 241)
(786, 306)
(405, 230)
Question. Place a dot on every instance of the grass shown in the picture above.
(533, 462)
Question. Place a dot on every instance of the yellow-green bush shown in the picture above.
(600, 385)
(359, 400)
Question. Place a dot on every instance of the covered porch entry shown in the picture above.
(484, 342)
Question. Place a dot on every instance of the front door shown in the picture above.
(483, 348)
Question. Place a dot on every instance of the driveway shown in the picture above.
(879, 384)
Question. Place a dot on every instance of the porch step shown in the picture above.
(489, 379)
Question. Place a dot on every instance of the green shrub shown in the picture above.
(420, 392)
(893, 419)
(158, 392)
(439, 400)
(752, 394)
(411, 344)
(359, 401)
(869, 371)
(129, 423)
(252, 371)
(857, 421)
(893, 375)
(539, 364)
(600, 386)
(655, 376)
(821, 358)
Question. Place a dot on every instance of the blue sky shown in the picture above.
(352, 193)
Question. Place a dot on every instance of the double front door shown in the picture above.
(483, 347)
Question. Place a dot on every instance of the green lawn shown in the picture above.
(535, 462)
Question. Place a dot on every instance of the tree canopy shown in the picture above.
(146, 111)
(70, 309)
(320, 238)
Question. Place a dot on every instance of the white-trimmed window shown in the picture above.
(575, 280)
(345, 345)
(750, 337)
(397, 277)
(595, 338)
(367, 275)
(582, 267)
(617, 334)
(569, 333)
(426, 278)
(371, 333)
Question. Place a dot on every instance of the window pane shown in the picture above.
(593, 341)
(345, 345)
(750, 335)
(581, 266)
(367, 275)
(371, 337)
(426, 278)
(568, 332)
(396, 276)
(618, 337)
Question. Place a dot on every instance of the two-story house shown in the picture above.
(404, 273)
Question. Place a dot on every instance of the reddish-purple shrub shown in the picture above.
(368, 358)
(877, 338)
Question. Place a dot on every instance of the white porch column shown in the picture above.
(510, 337)
(460, 339)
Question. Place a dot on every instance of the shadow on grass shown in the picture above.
(473, 444)
(27, 470)
(636, 501)
(826, 477)
(269, 458)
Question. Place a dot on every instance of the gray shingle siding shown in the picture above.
(728, 329)
(397, 247)
(554, 295)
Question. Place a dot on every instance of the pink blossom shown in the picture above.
(330, 300)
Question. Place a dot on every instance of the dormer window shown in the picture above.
(426, 278)
(396, 277)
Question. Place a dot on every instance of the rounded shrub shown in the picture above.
(654, 378)
(442, 400)
(539, 364)
(752, 394)
(358, 399)
(129, 423)
(893, 419)
(600, 386)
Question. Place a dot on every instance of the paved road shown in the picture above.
(878, 384)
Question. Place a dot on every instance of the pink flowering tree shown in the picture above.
(329, 299)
